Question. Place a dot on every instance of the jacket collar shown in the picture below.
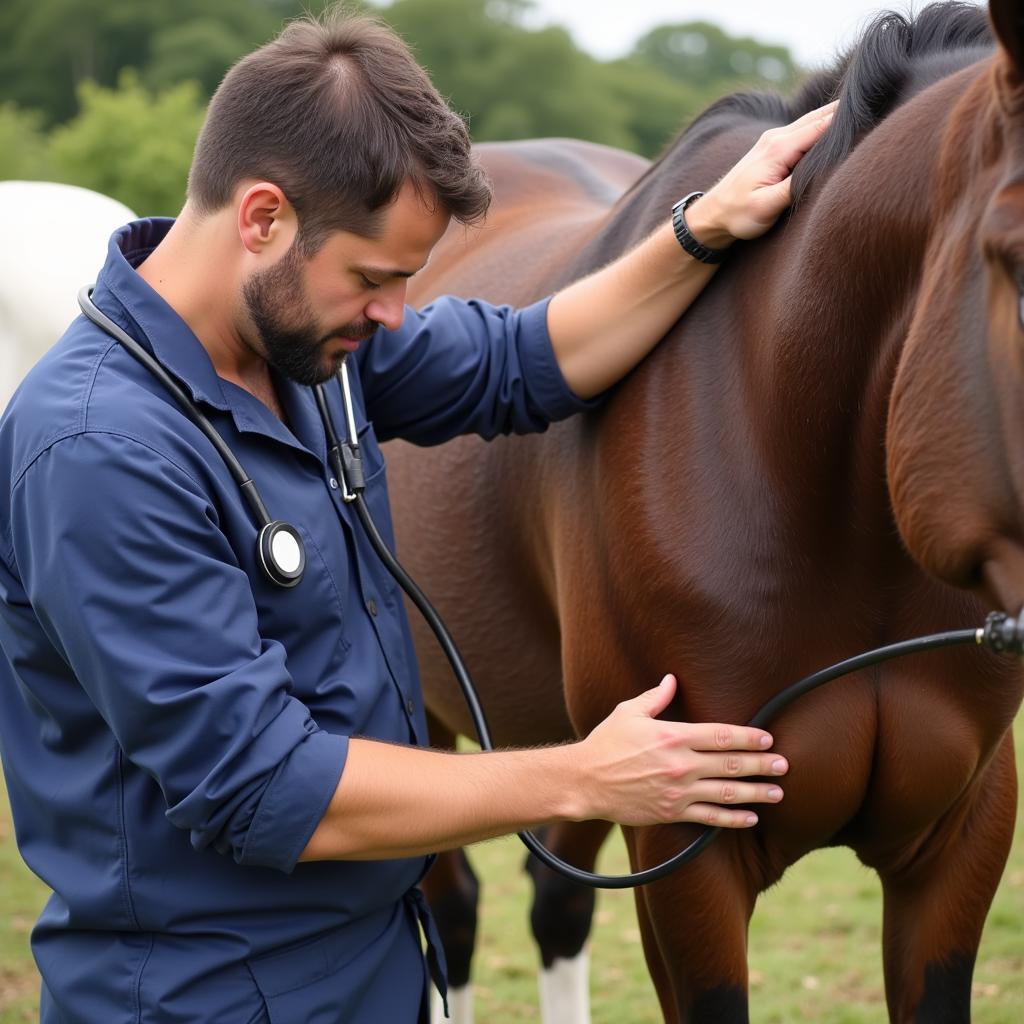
(132, 303)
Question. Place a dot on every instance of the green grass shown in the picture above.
(21, 897)
(814, 953)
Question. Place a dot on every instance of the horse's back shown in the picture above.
(550, 197)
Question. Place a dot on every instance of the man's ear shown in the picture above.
(266, 220)
(1008, 21)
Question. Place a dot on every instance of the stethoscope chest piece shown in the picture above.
(282, 554)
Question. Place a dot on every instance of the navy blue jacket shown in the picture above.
(172, 725)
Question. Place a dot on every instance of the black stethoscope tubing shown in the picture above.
(999, 634)
(271, 533)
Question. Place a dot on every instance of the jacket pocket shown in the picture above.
(322, 980)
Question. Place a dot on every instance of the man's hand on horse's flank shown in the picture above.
(748, 200)
(636, 770)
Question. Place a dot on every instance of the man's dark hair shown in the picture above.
(337, 113)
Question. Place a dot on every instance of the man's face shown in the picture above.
(304, 316)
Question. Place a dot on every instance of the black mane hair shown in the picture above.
(895, 57)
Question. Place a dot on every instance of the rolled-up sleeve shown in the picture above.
(461, 367)
(137, 587)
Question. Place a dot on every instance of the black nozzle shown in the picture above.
(1003, 634)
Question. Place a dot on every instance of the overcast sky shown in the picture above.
(812, 29)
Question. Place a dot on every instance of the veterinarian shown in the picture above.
(222, 775)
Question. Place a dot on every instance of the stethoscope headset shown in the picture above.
(282, 558)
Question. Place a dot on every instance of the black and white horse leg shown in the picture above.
(561, 916)
(453, 892)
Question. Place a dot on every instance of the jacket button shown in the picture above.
(409, 706)
(371, 607)
(334, 484)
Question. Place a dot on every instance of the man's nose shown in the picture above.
(388, 310)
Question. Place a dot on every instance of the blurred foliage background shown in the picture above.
(109, 94)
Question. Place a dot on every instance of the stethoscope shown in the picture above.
(282, 557)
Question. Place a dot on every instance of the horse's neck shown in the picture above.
(842, 279)
(822, 304)
(766, 407)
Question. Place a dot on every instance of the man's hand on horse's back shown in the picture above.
(748, 200)
(604, 324)
(637, 770)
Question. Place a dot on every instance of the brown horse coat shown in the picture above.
(799, 471)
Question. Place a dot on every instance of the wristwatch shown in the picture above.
(686, 239)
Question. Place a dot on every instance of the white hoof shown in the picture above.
(460, 1006)
(565, 991)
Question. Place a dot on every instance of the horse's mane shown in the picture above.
(896, 57)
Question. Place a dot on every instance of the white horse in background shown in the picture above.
(56, 239)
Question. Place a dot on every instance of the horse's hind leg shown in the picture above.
(694, 928)
(561, 917)
(935, 906)
(453, 892)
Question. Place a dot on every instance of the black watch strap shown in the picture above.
(685, 236)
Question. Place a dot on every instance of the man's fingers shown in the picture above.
(719, 817)
(793, 144)
(812, 115)
(785, 146)
(779, 195)
(719, 736)
(653, 702)
(735, 765)
(727, 791)
(795, 134)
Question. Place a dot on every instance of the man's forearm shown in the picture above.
(396, 801)
(603, 325)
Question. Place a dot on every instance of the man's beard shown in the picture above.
(293, 348)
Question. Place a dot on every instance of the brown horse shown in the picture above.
(821, 457)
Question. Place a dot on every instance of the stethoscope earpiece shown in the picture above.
(282, 553)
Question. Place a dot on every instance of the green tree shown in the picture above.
(512, 82)
(52, 46)
(133, 136)
(708, 58)
(200, 50)
(131, 144)
(656, 108)
(459, 61)
(23, 145)
(558, 89)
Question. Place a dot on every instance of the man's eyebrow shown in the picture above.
(385, 272)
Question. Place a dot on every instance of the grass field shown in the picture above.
(814, 943)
